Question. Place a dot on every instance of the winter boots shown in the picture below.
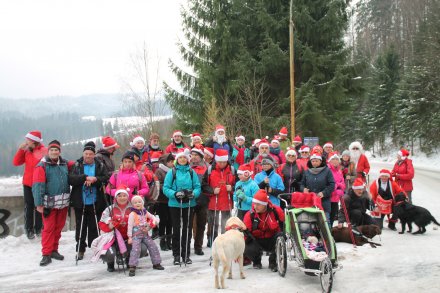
(110, 267)
(158, 267)
(56, 255)
(198, 251)
(132, 272)
(80, 255)
(176, 261)
(45, 260)
(163, 244)
(30, 234)
(273, 267)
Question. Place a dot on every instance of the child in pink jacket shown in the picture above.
(334, 162)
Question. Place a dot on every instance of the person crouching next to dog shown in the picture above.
(51, 193)
(263, 224)
(357, 201)
(245, 190)
(140, 221)
(383, 190)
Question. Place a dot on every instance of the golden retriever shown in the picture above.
(228, 247)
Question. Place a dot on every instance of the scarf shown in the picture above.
(317, 170)
(240, 156)
(139, 212)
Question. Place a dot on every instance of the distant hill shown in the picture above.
(98, 105)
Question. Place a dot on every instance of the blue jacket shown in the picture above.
(249, 188)
(183, 181)
(275, 182)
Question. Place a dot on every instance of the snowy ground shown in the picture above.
(405, 263)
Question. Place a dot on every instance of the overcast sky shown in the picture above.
(76, 47)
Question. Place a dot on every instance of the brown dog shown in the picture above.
(366, 232)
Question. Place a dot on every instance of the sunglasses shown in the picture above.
(291, 155)
(355, 148)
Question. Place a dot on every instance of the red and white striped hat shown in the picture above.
(221, 155)
(34, 135)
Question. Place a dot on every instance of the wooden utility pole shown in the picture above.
(292, 75)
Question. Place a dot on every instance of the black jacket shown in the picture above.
(354, 202)
(292, 176)
(77, 179)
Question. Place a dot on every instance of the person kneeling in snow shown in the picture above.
(140, 222)
(263, 223)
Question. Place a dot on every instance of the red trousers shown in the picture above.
(52, 226)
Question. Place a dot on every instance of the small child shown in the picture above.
(245, 190)
(139, 223)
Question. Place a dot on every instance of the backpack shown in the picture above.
(269, 209)
(210, 171)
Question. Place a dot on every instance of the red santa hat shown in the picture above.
(221, 155)
(355, 144)
(358, 184)
(183, 153)
(297, 139)
(263, 142)
(108, 143)
(316, 155)
(177, 133)
(256, 141)
(34, 135)
(155, 157)
(290, 151)
(198, 151)
(245, 170)
(304, 149)
(276, 139)
(261, 197)
(317, 148)
(240, 137)
(403, 154)
(209, 151)
(137, 139)
(333, 155)
(385, 172)
(328, 144)
(137, 197)
(283, 131)
(219, 128)
(122, 189)
(196, 136)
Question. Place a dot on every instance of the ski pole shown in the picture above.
(187, 233)
(181, 231)
(80, 234)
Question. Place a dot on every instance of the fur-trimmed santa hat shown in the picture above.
(137, 139)
(403, 153)
(34, 135)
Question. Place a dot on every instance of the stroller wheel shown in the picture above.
(326, 275)
(281, 255)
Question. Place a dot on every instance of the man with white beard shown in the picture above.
(360, 161)
(220, 141)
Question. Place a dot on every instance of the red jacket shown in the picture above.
(118, 216)
(221, 178)
(268, 225)
(30, 160)
(172, 149)
(404, 173)
(374, 189)
(303, 163)
(362, 166)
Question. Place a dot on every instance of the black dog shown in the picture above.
(408, 214)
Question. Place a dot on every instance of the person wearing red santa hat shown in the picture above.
(208, 156)
(327, 149)
(360, 160)
(30, 153)
(304, 156)
(154, 146)
(264, 223)
(218, 183)
(284, 140)
(241, 154)
(105, 154)
(245, 190)
(263, 152)
(196, 141)
(403, 172)
(297, 142)
(291, 172)
(141, 150)
(357, 201)
(176, 144)
(385, 189)
(220, 141)
(276, 151)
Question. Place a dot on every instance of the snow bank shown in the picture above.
(11, 186)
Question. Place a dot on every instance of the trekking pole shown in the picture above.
(187, 233)
(96, 217)
(215, 217)
(347, 219)
(80, 234)
(180, 234)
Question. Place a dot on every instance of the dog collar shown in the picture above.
(399, 203)
(233, 227)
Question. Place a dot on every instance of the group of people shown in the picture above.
(173, 194)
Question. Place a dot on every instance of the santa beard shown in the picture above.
(355, 155)
(220, 138)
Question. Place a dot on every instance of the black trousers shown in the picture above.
(254, 249)
(179, 215)
(30, 212)
(165, 224)
(357, 218)
(199, 224)
(89, 228)
(333, 213)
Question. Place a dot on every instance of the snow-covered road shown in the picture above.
(405, 263)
